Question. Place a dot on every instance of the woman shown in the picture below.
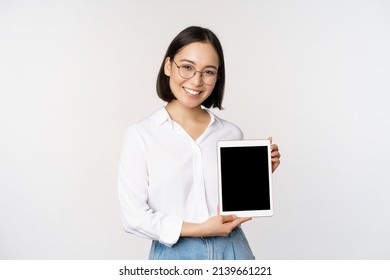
(167, 179)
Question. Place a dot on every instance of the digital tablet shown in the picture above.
(245, 178)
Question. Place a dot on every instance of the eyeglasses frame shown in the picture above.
(201, 74)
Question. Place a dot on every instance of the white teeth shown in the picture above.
(190, 91)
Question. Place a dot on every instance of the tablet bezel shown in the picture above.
(245, 143)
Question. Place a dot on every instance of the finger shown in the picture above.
(241, 220)
(275, 160)
(244, 219)
(270, 139)
(228, 218)
(274, 147)
(275, 154)
(274, 166)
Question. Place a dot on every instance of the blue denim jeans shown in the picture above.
(233, 247)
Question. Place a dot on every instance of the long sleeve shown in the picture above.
(133, 190)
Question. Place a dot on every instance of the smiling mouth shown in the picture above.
(192, 92)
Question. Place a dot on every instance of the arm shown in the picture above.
(133, 181)
(214, 226)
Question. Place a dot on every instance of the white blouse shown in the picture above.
(165, 177)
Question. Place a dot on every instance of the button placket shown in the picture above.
(199, 181)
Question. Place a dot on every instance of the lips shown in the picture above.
(191, 91)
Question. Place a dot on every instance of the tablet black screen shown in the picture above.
(244, 178)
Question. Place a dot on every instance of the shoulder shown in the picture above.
(145, 128)
(151, 121)
(229, 127)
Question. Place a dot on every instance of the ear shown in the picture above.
(167, 67)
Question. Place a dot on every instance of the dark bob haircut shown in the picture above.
(188, 36)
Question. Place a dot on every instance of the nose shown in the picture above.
(197, 79)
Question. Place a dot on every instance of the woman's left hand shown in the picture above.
(275, 155)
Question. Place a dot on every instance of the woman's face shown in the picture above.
(193, 91)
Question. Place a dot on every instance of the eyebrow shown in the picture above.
(190, 61)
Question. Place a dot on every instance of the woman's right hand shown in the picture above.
(215, 226)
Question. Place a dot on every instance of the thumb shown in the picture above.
(270, 139)
(228, 218)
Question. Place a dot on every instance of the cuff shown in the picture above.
(171, 230)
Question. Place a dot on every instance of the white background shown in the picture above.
(312, 74)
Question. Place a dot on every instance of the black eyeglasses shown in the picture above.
(187, 71)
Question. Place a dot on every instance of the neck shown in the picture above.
(183, 114)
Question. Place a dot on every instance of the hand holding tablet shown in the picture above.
(245, 178)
